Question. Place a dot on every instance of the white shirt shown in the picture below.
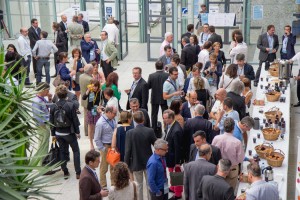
(192, 109)
(203, 38)
(203, 57)
(180, 77)
(113, 101)
(192, 85)
(239, 48)
(104, 57)
(24, 46)
(112, 32)
(296, 58)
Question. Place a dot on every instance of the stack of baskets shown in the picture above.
(264, 148)
(274, 70)
(271, 134)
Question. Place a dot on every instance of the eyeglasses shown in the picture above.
(164, 150)
(175, 74)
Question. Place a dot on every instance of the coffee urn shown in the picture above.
(284, 70)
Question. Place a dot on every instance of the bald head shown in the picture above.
(24, 31)
(221, 94)
(192, 97)
(205, 151)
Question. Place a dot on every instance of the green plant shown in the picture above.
(20, 155)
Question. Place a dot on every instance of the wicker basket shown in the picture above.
(273, 96)
(271, 134)
(264, 148)
(274, 71)
(275, 158)
(271, 114)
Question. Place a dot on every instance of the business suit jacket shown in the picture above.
(188, 56)
(249, 72)
(174, 138)
(290, 47)
(111, 51)
(63, 29)
(84, 81)
(75, 31)
(187, 34)
(85, 25)
(163, 59)
(193, 173)
(263, 43)
(146, 117)
(216, 38)
(86, 48)
(238, 104)
(186, 112)
(89, 186)
(141, 92)
(215, 187)
(61, 43)
(33, 37)
(155, 83)
(138, 147)
(215, 156)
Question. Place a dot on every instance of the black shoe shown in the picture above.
(297, 105)
(114, 68)
(174, 198)
(53, 76)
(77, 176)
(66, 174)
(43, 75)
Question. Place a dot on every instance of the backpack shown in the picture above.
(60, 118)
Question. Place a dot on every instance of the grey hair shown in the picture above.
(110, 109)
(80, 14)
(248, 121)
(254, 169)
(204, 149)
(86, 35)
(158, 144)
(170, 113)
(134, 101)
(200, 109)
(88, 68)
(167, 34)
(186, 39)
(237, 87)
(224, 165)
(229, 125)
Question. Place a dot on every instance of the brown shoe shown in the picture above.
(77, 176)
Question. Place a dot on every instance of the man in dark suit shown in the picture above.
(155, 84)
(195, 124)
(174, 136)
(199, 139)
(60, 42)
(195, 170)
(134, 107)
(89, 186)
(244, 69)
(214, 37)
(215, 187)
(83, 23)
(188, 54)
(268, 45)
(237, 100)
(190, 31)
(34, 33)
(138, 150)
(89, 48)
(139, 89)
(64, 28)
(190, 105)
(167, 57)
(288, 44)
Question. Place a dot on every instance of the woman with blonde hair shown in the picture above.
(247, 94)
(123, 187)
(202, 93)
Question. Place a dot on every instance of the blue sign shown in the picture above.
(258, 12)
(184, 11)
(204, 18)
(109, 10)
(297, 1)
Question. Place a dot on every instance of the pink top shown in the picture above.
(99, 77)
(231, 148)
(161, 50)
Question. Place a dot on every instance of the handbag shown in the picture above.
(176, 177)
(53, 156)
(112, 157)
(57, 79)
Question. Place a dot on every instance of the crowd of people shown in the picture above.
(204, 101)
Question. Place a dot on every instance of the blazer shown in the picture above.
(221, 57)
(290, 47)
(215, 156)
(84, 81)
(174, 138)
(75, 31)
(193, 173)
(249, 72)
(141, 92)
(111, 51)
(61, 43)
(33, 37)
(146, 117)
(186, 112)
(86, 48)
(138, 147)
(216, 38)
(188, 56)
(155, 83)
(238, 104)
(214, 187)
(263, 43)
(163, 59)
(64, 73)
(89, 186)
(187, 34)
(85, 26)
(63, 29)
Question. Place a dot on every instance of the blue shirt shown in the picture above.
(262, 190)
(156, 172)
(233, 114)
(237, 132)
(40, 110)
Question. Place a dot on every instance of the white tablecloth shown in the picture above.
(280, 173)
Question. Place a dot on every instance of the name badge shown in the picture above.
(91, 97)
(94, 111)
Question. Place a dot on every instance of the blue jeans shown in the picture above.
(27, 64)
(42, 62)
(63, 141)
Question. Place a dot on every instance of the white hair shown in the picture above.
(167, 34)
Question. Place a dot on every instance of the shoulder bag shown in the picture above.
(112, 157)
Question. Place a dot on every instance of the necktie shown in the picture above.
(66, 26)
(96, 176)
(37, 32)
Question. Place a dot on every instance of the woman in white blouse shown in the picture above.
(230, 76)
(111, 100)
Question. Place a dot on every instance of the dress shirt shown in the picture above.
(133, 86)
(230, 147)
(233, 114)
(203, 38)
(112, 32)
(24, 46)
(94, 171)
(262, 190)
(203, 57)
(192, 109)
(237, 132)
(271, 42)
(240, 71)
(104, 57)
(180, 77)
(240, 48)
(40, 110)
(162, 46)
(284, 43)
(104, 131)
(44, 48)
(156, 172)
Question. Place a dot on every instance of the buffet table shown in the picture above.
(280, 173)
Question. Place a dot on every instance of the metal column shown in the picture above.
(101, 14)
(246, 20)
(175, 23)
(8, 15)
(142, 21)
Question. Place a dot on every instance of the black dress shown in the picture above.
(121, 136)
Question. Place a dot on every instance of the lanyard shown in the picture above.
(95, 97)
(174, 85)
(44, 100)
(111, 125)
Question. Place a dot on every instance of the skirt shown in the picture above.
(92, 119)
